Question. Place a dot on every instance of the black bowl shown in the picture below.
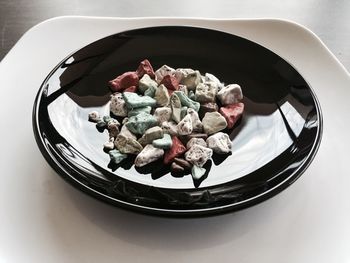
(272, 146)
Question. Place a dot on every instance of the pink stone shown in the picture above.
(176, 150)
(124, 81)
(232, 113)
(145, 67)
(170, 82)
(131, 89)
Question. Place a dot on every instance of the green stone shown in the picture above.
(163, 143)
(183, 112)
(107, 118)
(191, 95)
(133, 100)
(137, 111)
(151, 91)
(140, 123)
(197, 172)
(186, 101)
(101, 124)
(116, 156)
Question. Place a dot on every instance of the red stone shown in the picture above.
(232, 113)
(131, 89)
(124, 81)
(170, 82)
(145, 67)
(175, 151)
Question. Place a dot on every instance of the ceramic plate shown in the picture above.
(273, 144)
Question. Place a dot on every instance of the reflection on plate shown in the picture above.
(273, 144)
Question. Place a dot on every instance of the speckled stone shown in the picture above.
(133, 100)
(117, 105)
(183, 112)
(113, 128)
(186, 101)
(197, 125)
(147, 155)
(198, 155)
(213, 122)
(163, 71)
(191, 95)
(127, 145)
(124, 81)
(206, 92)
(193, 141)
(169, 127)
(163, 143)
(176, 150)
(204, 136)
(146, 82)
(211, 78)
(220, 143)
(94, 116)
(151, 134)
(207, 107)
(101, 124)
(175, 104)
(151, 92)
(184, 127)
(232, 113)
(137, 111)
(116, 156)
(183, 88)
(145, 67)
(140, 123)
(109, 145)
(230, 94)
(189, 77)
(197, 172)
(162, 114)
(162, 96)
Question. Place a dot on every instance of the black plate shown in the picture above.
(274, 143)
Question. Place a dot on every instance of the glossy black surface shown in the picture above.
(274, 143)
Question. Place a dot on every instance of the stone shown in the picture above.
(197, 125)
(151, 134)
(188, 77)
(109, 145)
(220, 143)
(183, 163)
(176, 168)
(133, 100)
(207, 107)
(137, 111)
(101, 124)
(151, 91)
(206, 92)
(124, 81)
(145, 67)
(184, 89)
(213, 122)
(204, 136)
(127, 145)
(230, 94)
(186, 101)
(117, 105)
(110, 121)
(140, 123)
(184, 127)
(147, 155)
(125, 120)
(162, 114)
(162, 96)
(170, 82)
(163, 143)
(183, 112)
(198, 155)
(176, 150)
(211, 78)
(175, 105)
(193, 141)
(94, 116)
(145, 83)
(169, 127)
(232, 113)
(113, 129)
(191, 95)
(127, 133)
(131, 89)
(163, 71)
(116, 156)
(197, 172)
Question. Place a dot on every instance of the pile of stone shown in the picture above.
(175, 114)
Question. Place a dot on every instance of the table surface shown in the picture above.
(329, 19)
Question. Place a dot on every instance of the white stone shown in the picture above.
(193, 141)
(110, 144)
(197, 125)
(148, 154)
(162, 114)
(169, 127)
(211, 78)
(220, 143)
(162, 96)
(189, 77)
(145, 83)
(198, 155)
(184, 127)
(125, 131)
(117, 105)
(163, 71)
(230, 94)
(94, 116)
